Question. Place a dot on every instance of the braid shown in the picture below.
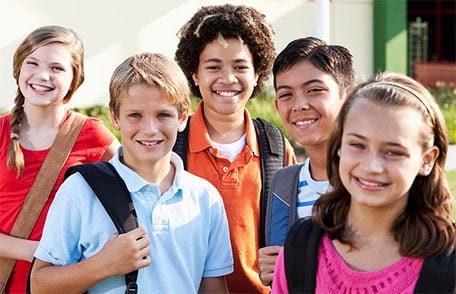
(15, 158)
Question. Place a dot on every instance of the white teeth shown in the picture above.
(40, 88)
(149, 143)
(227, 94)
(302, 123)
(370, 184)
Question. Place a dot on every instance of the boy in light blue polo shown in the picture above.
(182, 244)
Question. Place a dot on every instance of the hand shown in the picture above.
(267, 258)
(126, 252)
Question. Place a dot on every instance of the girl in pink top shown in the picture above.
(390, 207)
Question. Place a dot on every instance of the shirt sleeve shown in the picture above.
(95, 138)
(219, 259)
(290, 156)
(279, 281)
(59, 243)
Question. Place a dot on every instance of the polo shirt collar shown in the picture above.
(135, 183)
(199, 138)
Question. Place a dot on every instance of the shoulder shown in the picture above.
(196, 186)
(95, 129)
(5, 127)
(5, 121)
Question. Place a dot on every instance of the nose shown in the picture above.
(149, 126)
(300, 103)
(229, 76)
(372, 162)
(43, 74)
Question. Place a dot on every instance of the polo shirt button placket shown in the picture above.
(225, 169)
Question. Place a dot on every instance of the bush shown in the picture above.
(445, 96)
(101, 112)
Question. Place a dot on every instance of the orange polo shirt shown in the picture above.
(239, 183)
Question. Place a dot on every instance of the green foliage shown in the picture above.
(101, 112)
(445, 95)
(451, 177)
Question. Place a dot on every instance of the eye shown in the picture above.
(394, 153)
(164, 115)
(241, 67)
(57, 68)
(134, 115)
(283, 95)
(357, 145)
(31, 63)
(314, 90)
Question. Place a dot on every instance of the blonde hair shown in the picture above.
(38, 38)
(151, 69)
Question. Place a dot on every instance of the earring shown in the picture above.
(338, 152)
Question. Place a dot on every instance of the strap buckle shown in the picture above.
(132, 288)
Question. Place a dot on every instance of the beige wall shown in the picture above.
(112, 30)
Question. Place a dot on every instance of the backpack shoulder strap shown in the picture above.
(281, 204)
(112, 192)
(273, 157)
(438, 274)
(301, 255)
(181, 145)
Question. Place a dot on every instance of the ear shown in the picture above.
(347, 91)
(256, 79)
(429, 157)
(195, 79)
(276, 103)
(182, 123)
(114, 119)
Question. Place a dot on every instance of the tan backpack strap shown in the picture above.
(42, 186)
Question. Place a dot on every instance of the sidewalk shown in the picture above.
(450, 164)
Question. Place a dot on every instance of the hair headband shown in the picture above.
(408, 90)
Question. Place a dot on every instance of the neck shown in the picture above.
(366, 222)
(225, 129)
(43, 118)
(317, 163)
(161, 174)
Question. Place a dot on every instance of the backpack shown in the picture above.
(272, 154)
(112, 192)
(281, 204)
(438, 274)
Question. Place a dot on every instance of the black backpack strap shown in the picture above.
(281, 204)
(112, 192)
(181, 145)
(301, 255)
(438, 274)
(273, 157)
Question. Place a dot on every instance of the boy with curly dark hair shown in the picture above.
(226, 52)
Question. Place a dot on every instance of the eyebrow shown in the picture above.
(365, 138)
(219, 60)
(285, 86)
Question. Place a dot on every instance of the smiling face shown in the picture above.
(308, 101)
(148, 125)
(225, 76)
(46, 75)
(381, 154)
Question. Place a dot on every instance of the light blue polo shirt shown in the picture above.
(187, 227)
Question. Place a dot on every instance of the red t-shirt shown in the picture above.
(90, 146)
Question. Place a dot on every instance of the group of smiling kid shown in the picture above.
(372, 183)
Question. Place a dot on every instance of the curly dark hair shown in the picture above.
(231, 21)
